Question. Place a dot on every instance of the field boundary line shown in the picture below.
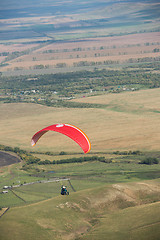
(17, 196)
(4, 212)
(74, 190)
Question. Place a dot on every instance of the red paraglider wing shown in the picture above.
(69, 130)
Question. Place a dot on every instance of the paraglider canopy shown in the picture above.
(69, 130)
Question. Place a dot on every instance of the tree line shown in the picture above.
(73, 160)
(29, 159)
(81, 80)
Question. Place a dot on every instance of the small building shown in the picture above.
(4, 192)
(6, 187)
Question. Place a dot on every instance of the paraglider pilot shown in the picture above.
(64, 190)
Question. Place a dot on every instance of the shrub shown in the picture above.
(149, 161)
(62, 153)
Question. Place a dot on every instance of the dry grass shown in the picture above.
(16, 47)
(131, 122)
(144, 100)
(117, 41)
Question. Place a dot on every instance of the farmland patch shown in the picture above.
(7, 159)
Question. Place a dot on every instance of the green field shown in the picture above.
(82, 175)
(90, 214)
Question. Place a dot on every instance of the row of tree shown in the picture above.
(93, 63)
(30, 159)
(79, 49)
(73, 160)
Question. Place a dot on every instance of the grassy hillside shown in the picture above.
(130, 121)
(39, 182)
(90, 214)
(140, 222)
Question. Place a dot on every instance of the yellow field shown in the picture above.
(130, 121)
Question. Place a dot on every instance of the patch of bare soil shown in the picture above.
(7, 159)
(125, 195)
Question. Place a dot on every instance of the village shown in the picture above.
(40, 96)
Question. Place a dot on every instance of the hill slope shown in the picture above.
(89, 213)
